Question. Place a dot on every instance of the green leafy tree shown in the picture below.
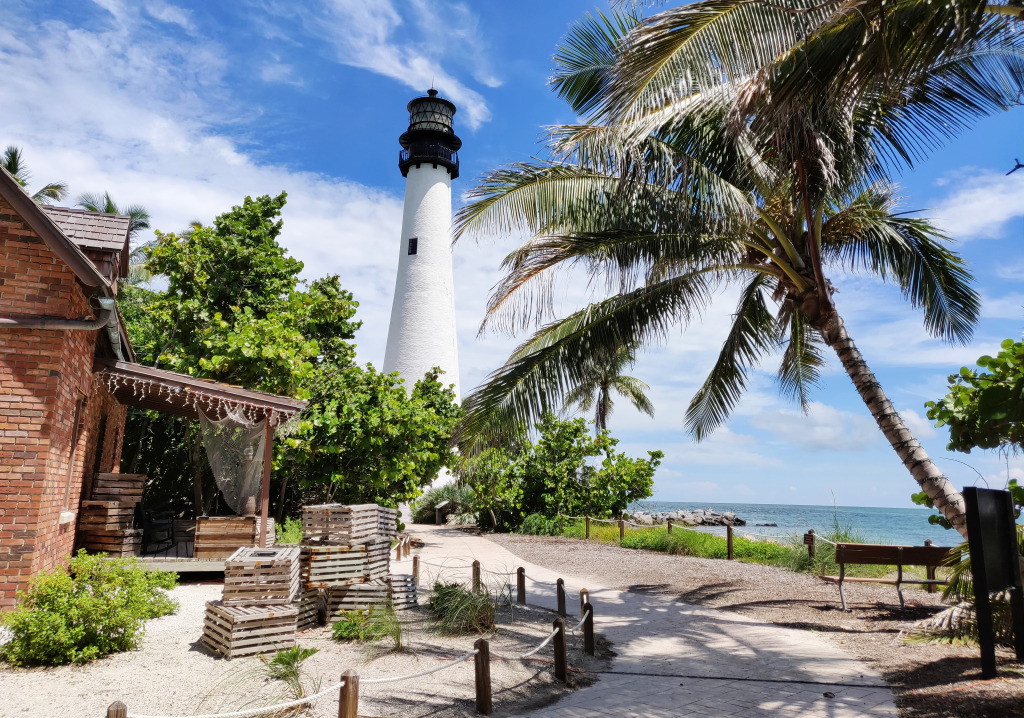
(13, 162)
(603, 376)
(744, 144)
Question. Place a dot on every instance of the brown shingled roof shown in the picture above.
(95, 230)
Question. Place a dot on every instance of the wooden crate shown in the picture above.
(387, 522)
(400, 590)
(119, 542)
(339, 525)
(262, 576)
(311, 604)
(234, 631)
(221, 536)
(105, 516)
(326, 566)
(124, 488)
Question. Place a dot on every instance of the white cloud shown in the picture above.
(279, 72)
(1010, 306)
(921, 426)
(980, 204)
(170, 13)
(823, 428)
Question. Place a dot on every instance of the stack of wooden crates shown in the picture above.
(258, 610)
(107, 521)
(346, 559)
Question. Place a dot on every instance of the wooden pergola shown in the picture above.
(169, 392)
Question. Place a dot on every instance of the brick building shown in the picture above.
(63, 348)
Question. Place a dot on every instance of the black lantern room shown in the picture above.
(431, 137)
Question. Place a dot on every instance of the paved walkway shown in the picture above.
(675, 659)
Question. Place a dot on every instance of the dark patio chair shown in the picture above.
(157, 529)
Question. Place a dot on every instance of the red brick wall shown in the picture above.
(42, 375)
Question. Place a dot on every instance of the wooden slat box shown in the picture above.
(310, 604)
(399, 589)
(339, 525)
(125, 488)
(221, 536)
(105, 516)
(262, 576)
(326, 566)
(387, 522)
(236, 631)
(120, 542)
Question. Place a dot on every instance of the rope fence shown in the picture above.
(348, 687)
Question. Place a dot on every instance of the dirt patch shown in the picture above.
(927, 679)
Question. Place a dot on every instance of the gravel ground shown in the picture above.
(171, 673)
(927, 680)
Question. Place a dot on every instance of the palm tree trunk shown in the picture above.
(939, 489)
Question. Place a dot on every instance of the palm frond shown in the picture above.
(802, 360)
(586, 56)
(53, 192)
(636, 391)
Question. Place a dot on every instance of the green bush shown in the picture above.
(537, 525)
(289, 532)
(462, 501)
(369, 626)
(97, 607)
(653, 539)
(456, 611)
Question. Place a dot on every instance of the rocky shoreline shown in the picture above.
(684, 517)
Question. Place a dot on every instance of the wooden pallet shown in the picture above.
(124, 488)
(262, 576)
(221, 536)
(118, 542)
(399, 590)
(105, 516)
(387, 522)
(327, 566)
(311, 606)
(340, 525)
(234, 631)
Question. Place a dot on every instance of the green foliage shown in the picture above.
(363, 438)
(286, 666)
(461, 501)
(566, 471)
(653, 539)
(289, 532)
(457, 611)
(99, 606)
(985, 409)
(537, 525)
(370, 626)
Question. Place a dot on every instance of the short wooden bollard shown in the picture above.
(668, 524)
(622, 529)
(930, 571)
(348, 703)
(560, 593)
(416, 571)
(588, 628)
(482, 664)
(809, 542)
(584, 597)
(398, 551)
(728, 540)
(407, 547)
(117, 709)
(521, 585)
(588, 526)
(476, 577)
(561, 660)
(561, 524)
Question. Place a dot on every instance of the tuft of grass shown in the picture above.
(457, 611)
(289, 532)
(369, 626)
(286, 666)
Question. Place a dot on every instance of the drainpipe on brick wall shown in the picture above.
(107, 318)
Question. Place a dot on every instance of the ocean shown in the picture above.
(908, 527)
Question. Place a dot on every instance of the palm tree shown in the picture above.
(138, 220)
(603, 375)
(15, 166)
(728, 145)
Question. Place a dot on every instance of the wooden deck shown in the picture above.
(179, 558)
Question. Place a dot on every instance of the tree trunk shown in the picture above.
(939, 489)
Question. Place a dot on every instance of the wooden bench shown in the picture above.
(931, 557)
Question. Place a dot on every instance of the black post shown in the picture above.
(482, 664)
(521, 585)
(809, 540)
(668, 524)
(561, 660)
(728, 540)
(588, 628)
(588, 527)
(560, 593)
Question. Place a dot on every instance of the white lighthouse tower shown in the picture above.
(422, 331)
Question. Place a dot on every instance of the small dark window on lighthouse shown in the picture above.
(412, 245)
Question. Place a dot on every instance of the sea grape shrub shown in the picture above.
(537, 525)
(97, 607)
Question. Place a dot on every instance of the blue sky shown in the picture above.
(187, 107)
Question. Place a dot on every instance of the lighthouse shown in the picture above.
(422, 330)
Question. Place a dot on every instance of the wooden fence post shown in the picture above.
(348, 702)
(117, 709)
(398, 550)
(408, 547)
(588, 628)
(930, 570)
(476, 577)
(560, 593)
(482, 664)
(728, 540)
(668, 523)
(622, 529)
(588, 526)
(809, 540)
(521, 585)
(561, 660)
(561, 523)
(416, 571)
(584, 597)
